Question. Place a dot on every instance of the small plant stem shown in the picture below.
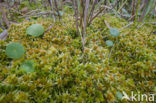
(122, 6)
(110, 54)
(83, 40)
(107, 24)
(126, 26)
(136, 17)
(52, 9)
(76, 16)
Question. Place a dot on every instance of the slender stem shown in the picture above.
(84, 22)
(76, 16)
(107, 24)
(92, 10)
(138, 4)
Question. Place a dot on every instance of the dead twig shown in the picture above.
(32, 11)
(107, 24)
(92, 9)
(3, 35)
(126, 26)
(40, 13)
(95, 16)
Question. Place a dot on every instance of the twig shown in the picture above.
(154, 23)
(76, 16)
(3, 35)
(116, 43)
(132, 17)
(95, 16)
(52, 10)
(140, 25)
(110, 54)
(40, 13)
(122, 5)
(32, 11)
(57, 10)
(92, 10)
(126, 26)
(101, 10)
(145, 4)
(107, 24)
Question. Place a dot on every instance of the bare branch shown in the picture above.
(3, 35)
(92, 10)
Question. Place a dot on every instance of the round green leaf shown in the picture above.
(109, 43)
(15, 50)
(60, 13)
(119, 95)
(114, 32)
(35, 30)
(28, 66)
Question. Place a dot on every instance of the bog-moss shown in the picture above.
(63, 75)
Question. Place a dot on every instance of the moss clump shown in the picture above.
(1, 30)
(62, 75)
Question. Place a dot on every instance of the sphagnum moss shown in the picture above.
(62, 75)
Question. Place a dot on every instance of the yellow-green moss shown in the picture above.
(1, 30)
(63, 74)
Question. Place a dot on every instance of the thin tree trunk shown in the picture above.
(76, 16)
(84, 22)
